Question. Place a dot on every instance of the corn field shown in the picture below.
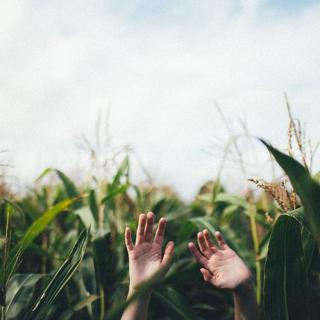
(63, 255)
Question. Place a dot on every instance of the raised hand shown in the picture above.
(145, 257)
(222, 267)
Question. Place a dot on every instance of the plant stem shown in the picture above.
(253, 225)
(101, 302)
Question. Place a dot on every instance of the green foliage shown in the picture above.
(306, 187)
(59, 280)
(42, 281)
(285, 272)
(293, 257)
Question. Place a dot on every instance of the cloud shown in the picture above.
(160, 65)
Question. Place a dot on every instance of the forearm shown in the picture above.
(245, 303)
(138, 308)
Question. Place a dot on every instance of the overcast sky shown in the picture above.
(159, 66)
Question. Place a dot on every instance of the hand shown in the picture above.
(222, 266)
(145, 257)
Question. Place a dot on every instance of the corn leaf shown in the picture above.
(43, 221)
(68, 314)
(93, 204)
(123, 171)
(115, 192)
(32, 232)
(285, 274)
(59, 279)
(19, 292)
(305, 186)
(175, 304)
(69, 186)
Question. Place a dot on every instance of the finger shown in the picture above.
(168, 254)
(141, 227)
(149, 227)
(203, 245)
(206, 275)
(128, 239)
(160, 231)
(209, 242)
(199, 257)
(221, 240)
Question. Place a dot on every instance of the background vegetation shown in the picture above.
(63, 254)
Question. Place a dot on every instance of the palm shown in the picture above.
(145, 261)
(227, 269)
(145, 257)
(222, 267)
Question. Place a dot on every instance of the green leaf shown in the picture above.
(93, 204)
(33, 231)
(69, 186)
(59, 279)
(86, 217)
(117, 186)
(175, 304)
(232, 200)
(285, 274)
(19, 292)
(122, 172)
(115, 192)
(305, 186)
(79, 306)
(203, 222)
(43, 221)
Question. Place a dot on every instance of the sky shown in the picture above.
(158, 68)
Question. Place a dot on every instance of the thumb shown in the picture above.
(206, 275)
(168, 254)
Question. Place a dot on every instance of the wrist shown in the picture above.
(244, 288)
(145, 294)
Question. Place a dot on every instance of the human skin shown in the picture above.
(145, 261)
(221, 267)
(224, 269)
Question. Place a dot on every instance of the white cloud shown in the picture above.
(161, 69)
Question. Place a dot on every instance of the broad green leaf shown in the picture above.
(14, 206)
(122, 172)
(175, 304)
(59, 279)
(9, 261)
(70, 188)
(285, 274)
(203, 222)
(86, 217)
(115, 192)
(93, 204)
(20, 289)
(228, 213)
(33, 231)
(118, 186)
(232, 200)
(305, 186)
(79, 306)
(43, 221)
(235, 202)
